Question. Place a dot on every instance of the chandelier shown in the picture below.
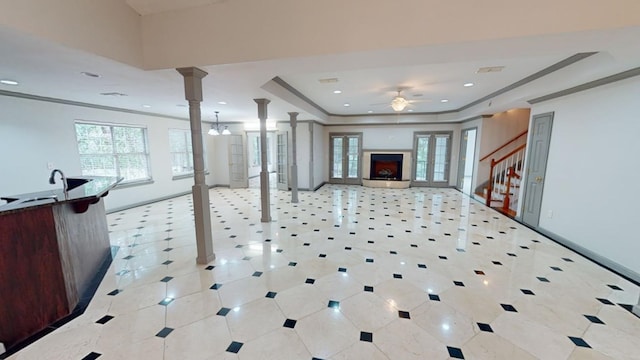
(215, 129)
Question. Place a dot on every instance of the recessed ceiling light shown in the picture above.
(444, 100)
(370, 111)
(222, 102)
(410, 110)
(146, 106)
(337, 91)
(468, 84)
(89, 74)
(9, 82)
(488, 69)
(347, 104)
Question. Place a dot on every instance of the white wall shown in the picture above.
(34, 133)
(593, 171)
(396, 137)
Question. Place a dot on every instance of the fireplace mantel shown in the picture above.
(394, 184)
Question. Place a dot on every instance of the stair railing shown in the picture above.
(501, 173)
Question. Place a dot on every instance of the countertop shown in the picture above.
(94, 188)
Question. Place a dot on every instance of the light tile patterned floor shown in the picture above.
(348, 273)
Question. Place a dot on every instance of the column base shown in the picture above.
(205, 259)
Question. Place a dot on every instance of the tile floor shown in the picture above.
(348, 273)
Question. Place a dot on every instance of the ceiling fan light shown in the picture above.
(226, 131)
(399, 103)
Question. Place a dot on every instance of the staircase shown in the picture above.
(502, 189)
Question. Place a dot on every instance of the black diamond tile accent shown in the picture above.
(414, 245)
(393, 252)
(458, 283)
(555, 268)
(579, 342)
(128, 257)
(271, 294)
(543, 279)
(257, 274)
(279, 251)
(527, 292)
(485, 327)
(455, 352)
(369, 260)
(334, 304)
(166, 301)
(164, 332)
(234, 347)
(215, 286)
(404, 314)
(105, 319)
(567, 259)
(210, 267)
(322, 255)
(434, 297)
(168, 262)
(479, 272)
(223, 311)
(605, 301)
(293, 263)
(289, 323)
(347, 247)
(366, 336)
(594, 319)
(422, 266)
(306, 244)
(512, 254)
(342, 269)
(475, 243)
(246, 258)
(92, 356)
(442, 257)
(166, 279)
(309, 281)
(167, 249)
(524, 247)
(615, 287)
(496, 263)
(368, 288)
(508, 307)
(115, 292)
(397, 276)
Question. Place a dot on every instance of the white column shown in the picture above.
(636, 308)
(264, 174)
(293, 119)
(193, 94)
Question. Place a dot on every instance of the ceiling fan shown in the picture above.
(399, 103)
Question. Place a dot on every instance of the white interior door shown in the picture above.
(282, 164)
(538, 151)
(237, 163)
(432, 153)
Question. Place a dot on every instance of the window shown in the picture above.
(255, 149)
(181, 152)
(110, 150)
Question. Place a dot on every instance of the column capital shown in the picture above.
(262, 108)
(192, 82)
(293, 117)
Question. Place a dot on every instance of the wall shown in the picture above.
(395, 137)
(320, 162)
(589, 195)
(34, 133)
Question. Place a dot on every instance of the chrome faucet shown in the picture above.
(65, 186)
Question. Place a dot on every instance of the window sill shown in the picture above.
(133, 184)
(186, 176)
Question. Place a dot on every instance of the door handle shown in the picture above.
(538, 179)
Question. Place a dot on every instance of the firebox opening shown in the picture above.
(386, 167)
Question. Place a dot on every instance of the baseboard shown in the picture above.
(146, 202)
(319, 186)
(619, 269)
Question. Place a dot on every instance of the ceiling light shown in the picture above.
(468, 84)
(9, 82)
(337, 91)
(347, 104)
(488, 69)
(146, 106)
(222, 102)
(89, 74)
(215, 129)
(444, 100)
(410, 110)
(370, 111)
(399, 103)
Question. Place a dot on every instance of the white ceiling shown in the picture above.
(368, 81)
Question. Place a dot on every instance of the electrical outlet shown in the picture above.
(550, 214)
(50, 165)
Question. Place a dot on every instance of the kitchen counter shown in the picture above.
(53, 249)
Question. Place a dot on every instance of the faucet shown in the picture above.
(65, 185)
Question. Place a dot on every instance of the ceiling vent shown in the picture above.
(328, 80)
(113, 94)
(488, 69)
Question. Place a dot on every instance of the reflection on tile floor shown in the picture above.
(348, 273)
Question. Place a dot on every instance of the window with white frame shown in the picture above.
(181, 152)
(113, 150)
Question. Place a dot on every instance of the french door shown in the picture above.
(432, 155)
(345, 158)
(282, 166)
(237, 162)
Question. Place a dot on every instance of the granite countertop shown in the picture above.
(86, 188)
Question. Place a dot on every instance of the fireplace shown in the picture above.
(386, 167)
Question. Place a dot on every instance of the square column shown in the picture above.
(293, 120)
(264, 174)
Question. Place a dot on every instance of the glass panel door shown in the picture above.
(345, 158)
(282, 161)
(432, 153)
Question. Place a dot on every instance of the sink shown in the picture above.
(73, 183)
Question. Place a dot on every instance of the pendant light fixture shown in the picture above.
(215, 129)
